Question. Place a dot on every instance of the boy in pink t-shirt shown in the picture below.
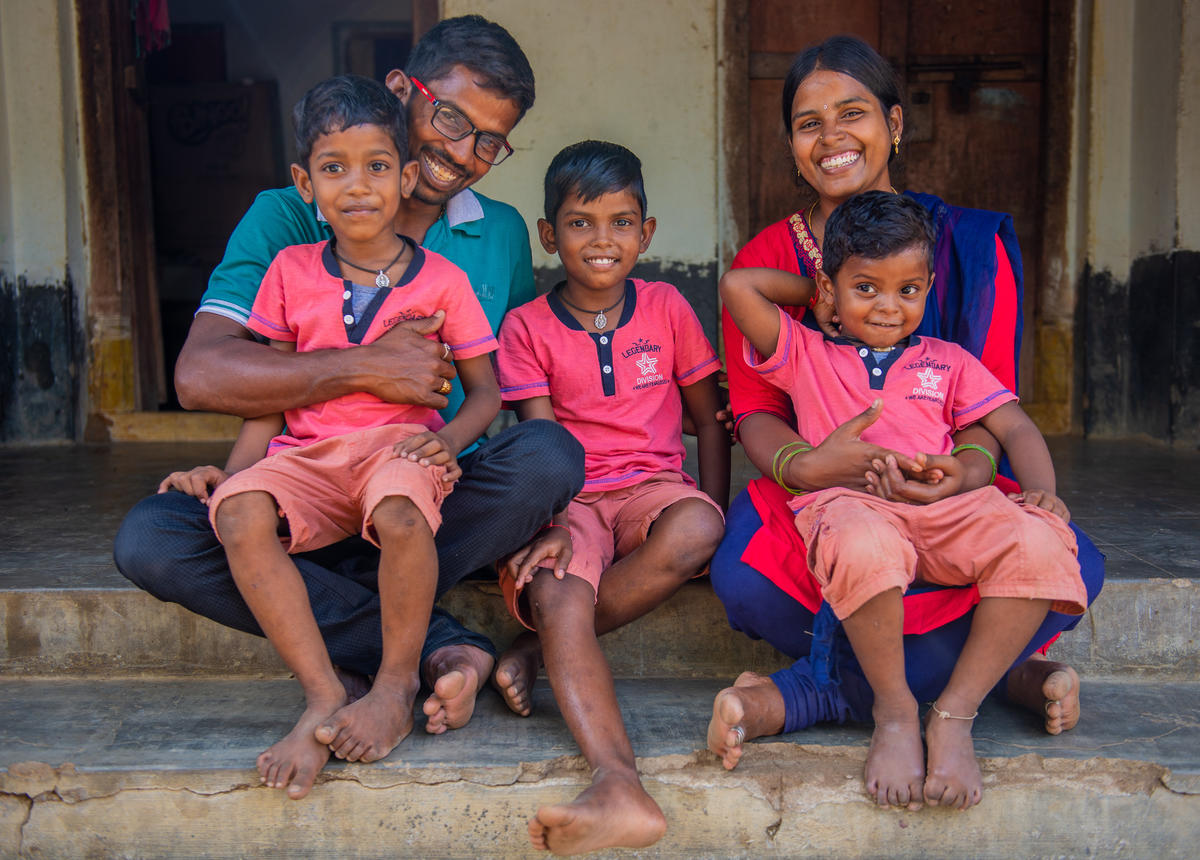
(864, 550)
(355, 464)
(614, 360)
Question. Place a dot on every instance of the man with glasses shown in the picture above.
(466, 87)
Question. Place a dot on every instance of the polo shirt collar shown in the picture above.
(559, 308)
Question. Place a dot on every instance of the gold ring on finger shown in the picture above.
(445, 387)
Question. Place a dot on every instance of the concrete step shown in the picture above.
(165, 769)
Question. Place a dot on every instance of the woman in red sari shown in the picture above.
(841, 106)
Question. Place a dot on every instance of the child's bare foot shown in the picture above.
(1049, 689)
(369, 729)
(615, 811)
(953, 778)
(294, 762)
(751, 708)
(516, 672)
(895, 769)
(456, 673)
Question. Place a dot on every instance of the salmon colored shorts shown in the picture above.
(607, 526)
(328, 490)
(860, 546)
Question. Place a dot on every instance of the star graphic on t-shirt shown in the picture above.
(647, 365)
(929, 379)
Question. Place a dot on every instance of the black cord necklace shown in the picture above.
(381, 278)
(601, 320)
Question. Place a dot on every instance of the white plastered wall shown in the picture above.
(640, 74)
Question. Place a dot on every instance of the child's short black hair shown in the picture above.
(589, 169)
(482, 46)
(343, 102)
(874, 225)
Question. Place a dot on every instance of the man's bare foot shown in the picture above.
(615, 811)
(456, 674)
(294, 762)
(516, 672)
(1049, 689)
(356, 685)
(369, 729)
(751, 708)
(895, 771)
(952, 774)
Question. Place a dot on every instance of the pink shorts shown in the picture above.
(607, 526)
(860, 546)
(328, 490)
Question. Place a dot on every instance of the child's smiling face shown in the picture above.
(358, 179)
(599, 240)
(880, 301)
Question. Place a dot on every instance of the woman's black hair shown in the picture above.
(483, 47)
(339, 103)
(590, 169)
(874, 225)
(851, 56)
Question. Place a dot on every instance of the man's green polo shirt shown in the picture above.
(483, 237)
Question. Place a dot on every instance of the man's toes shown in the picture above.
(325, 734)
(301, 783)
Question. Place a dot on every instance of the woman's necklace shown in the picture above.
(381, 278)
(601, 320)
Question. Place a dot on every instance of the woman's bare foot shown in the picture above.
(456, 674)
(294, 762)
(895, 771)
(1049, 689)
(615, 811)
(516, 672)
(369, 729)
(751, 708)
(952, 778)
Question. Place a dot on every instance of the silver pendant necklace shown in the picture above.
(601, 320)
(381, 278)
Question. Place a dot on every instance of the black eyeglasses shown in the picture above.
(450, 122)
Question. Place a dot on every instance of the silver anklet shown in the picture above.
(946, 715)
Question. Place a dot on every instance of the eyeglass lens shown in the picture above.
(455, 126)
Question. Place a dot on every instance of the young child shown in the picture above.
(356, 464)
(865, 551)
(608, 357)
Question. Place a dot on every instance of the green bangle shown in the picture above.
(982, 450)
(776, 468)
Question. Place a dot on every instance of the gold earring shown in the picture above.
(798, 176)
(896, 144)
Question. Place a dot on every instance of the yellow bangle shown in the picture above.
(788, 452)
(982, 450)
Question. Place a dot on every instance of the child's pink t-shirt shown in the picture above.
(930, 389)
(617, 390)
(304, 300)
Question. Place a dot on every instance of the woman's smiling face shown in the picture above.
(840, 136)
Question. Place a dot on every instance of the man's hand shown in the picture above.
(430, 449)
(404, 366)
(551, 544)
(197, 482)
(1043, 499)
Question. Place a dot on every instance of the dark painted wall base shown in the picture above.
(39, 376)
(1142, 349)
(697, 282)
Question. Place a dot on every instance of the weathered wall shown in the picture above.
(41, 243)
(1140, 272)
(640, 74)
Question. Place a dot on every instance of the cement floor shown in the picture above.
(61, 505)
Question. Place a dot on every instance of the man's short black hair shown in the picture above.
(590, 169)
(343, 102)
(483, 47)
(874, 225)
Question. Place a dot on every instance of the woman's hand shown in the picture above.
(936, 477)
(197, 482)
(551, 543)
(843, 459)
(1043, 499)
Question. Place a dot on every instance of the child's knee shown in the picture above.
(397, 518)
(247, 517)
(556, 602)
(694, 530)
